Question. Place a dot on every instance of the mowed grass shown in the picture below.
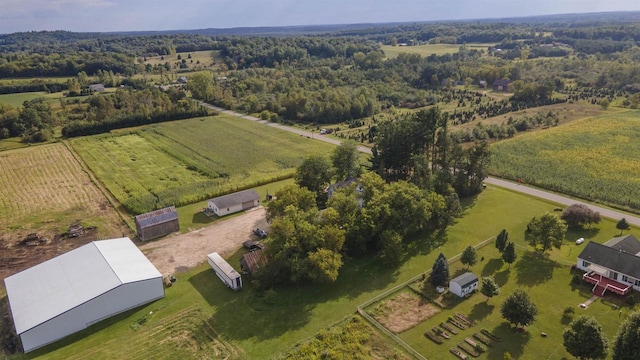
(259, 328)
(17, 99)
(392, 52)
(596, 158)
(183, 162)
(43, 189)
(205, 57)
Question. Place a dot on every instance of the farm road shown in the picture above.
(608, 213)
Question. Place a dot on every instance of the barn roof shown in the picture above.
(235, 198)
(58, 285)
(465, 279)
(253, 260)
(157, 217)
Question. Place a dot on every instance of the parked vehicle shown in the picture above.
(260, 233)
(225, 272)
(253, 245)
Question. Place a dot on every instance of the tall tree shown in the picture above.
(509, 254)
(622, 225)
(469, 256)
(518, 309)
(501, 240)
(346, 161)
(301, 198)
(584, 339)
(489, 288)
(314, 174)
(578, 215)
(440, 273)
(626, 345)
(546, 231)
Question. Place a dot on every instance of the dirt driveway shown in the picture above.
(181, 252)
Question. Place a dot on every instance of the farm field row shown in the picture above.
(429, 49)
(252, 326)
(595, 158)
(186, 161)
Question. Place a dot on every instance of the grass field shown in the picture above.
(43, 80)
(425, 50)
(183, 162)
(17, 99)
(255, 327)
(595, 158)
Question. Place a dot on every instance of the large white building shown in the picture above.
(72, 291)
(238, 201)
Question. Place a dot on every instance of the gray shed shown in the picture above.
(157, 223)
(68, 293)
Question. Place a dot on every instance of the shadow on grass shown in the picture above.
(424, 244)
(502, 277)
(202, 218)
(491, 267)
(481, 310)
(512, 341)
(575, 233)
(250, 313)
(534, 269)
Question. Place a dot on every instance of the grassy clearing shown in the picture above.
(258, 327)
(187, 161)
(16, 100)
(392, 52)
(595, 158)
(42, 80)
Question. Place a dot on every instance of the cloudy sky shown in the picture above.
(128, 15)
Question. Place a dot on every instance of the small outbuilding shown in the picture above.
(157, 223)
(252, 261)
(96, 87)
(501, 85)
(229, 204)
(72, 291)
(464, 284)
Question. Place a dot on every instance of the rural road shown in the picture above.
(608, 213)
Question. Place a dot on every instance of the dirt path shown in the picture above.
(181, 252)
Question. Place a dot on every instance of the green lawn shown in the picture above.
(203, 312)
(16, 100)
(425, 50)
(594, 158)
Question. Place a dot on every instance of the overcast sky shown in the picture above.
(128, 15)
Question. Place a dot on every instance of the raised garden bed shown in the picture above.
(468, 349)
(457, 324)
(449, 328)
(458, 353)
(483, 339)
(463, 318)
(433, 337)
(441, 332)
(488, 334)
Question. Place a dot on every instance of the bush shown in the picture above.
(631, 300)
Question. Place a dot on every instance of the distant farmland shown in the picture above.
(392, 52)
(182, 162)
(596, 158)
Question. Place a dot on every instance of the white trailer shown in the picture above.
(225, 272)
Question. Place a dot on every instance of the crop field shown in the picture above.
(425, 50)
(182, 162)
(206, 58)
(596, 158)
(44, 190)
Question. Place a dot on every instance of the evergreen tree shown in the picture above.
(622, 225)
(501, 240)
(440, 274)
(509, 254)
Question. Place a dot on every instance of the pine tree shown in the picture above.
(509, 254)
(501, 240)
(440, 274)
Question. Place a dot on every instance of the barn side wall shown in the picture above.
(156, 231)
(120, 299)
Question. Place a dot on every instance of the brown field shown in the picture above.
(44, 190)
(403, 312)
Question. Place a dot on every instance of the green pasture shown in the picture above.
(595, 158)
(183, 162)
(17, 99)
(41, 80)
(430, 49)
(203, 312)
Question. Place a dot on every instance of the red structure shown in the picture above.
(602, 284)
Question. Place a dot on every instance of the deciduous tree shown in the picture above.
(546, 231)
(489, 288)
(622, 225)
(518, 309)
(584, 339)
(346, 161)
(626, 345)
(469, 256)
(314, 174)
(578, 215)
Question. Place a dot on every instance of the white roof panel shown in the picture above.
(53, 287)
(126, 260)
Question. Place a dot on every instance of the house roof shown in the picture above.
(501, 83)
(343, 184)
(58, 285)
(157, 217)
(96, 87)
(235, 198)
(465, 279)
(253, 260)
(627, 243)
(612, 258)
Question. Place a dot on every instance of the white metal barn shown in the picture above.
(229, 204)
(225, 271)
(74, 290)
(464, 284)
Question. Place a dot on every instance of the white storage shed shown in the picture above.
(229, 204)
(68, 293)
(464, 284)
(225, 271)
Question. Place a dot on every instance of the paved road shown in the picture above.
(608, 213)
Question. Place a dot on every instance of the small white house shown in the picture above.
(464, 284)
(225, 271)
(72, 291)
(229, 204)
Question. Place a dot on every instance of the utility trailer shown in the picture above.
(225, 272)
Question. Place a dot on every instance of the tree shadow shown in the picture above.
(491, 267)
(534, 269)
(575, 233)
(424, 243)
(512, 341)
(202, 218)
(502, 277)
(481, 310)
(467, 203)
